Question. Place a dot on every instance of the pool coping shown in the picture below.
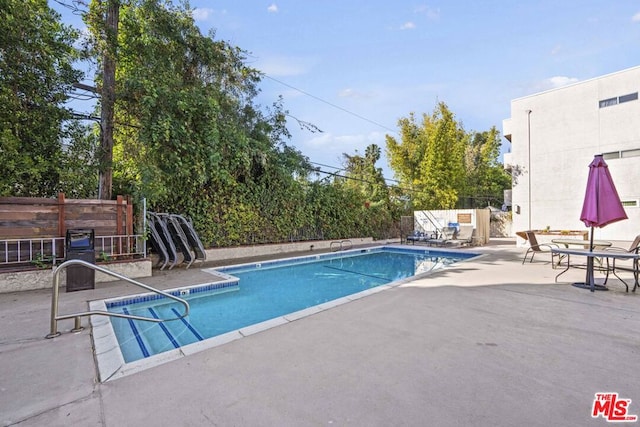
(110, 361)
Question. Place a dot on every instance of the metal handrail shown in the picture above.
(340, 242)
(432, 219)
(77, 326)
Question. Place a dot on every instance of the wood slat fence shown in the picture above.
(34, 228)
(32, 218)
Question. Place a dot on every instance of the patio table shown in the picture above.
(589, 282)
(581, 242)
(597, 244)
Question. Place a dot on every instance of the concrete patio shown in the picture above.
(490, 342)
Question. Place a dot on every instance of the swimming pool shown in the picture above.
(253, 297)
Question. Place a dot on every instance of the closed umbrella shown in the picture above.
(601, 205)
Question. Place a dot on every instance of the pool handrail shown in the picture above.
(341, 243)
(77, 326)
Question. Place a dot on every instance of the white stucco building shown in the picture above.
(554, 136)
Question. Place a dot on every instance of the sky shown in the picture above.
(353, 68)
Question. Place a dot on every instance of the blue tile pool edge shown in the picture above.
(465, 255)
(111, 364)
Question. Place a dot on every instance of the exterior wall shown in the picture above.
(43, 279)
(554, 136)
(479, 218)
(239, 252)
(501, 224)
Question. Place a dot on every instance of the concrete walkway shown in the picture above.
(489, 342)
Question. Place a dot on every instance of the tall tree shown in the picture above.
(486, 178)
(189, 137)
(36, 74)
(103, 19)
(364, 176)
(429, 158)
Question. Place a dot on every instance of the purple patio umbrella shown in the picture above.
(601, 205)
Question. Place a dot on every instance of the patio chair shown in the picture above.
(417, 236)
(615, 264)
(464, 236)
(535, 247)
(448, 234)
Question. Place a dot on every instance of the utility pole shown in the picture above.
(108, 99)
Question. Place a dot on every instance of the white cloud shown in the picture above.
(559, 81)
(556, 50)
(351, 93)
(429, 12)
(281, 66)
(636, 17)
(202, 14)
(554, 83)
(273, 8)
(408, 26)
(346, 143)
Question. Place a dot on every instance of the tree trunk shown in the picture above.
(108, 100)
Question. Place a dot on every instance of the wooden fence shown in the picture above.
(33, 230)
(32, 218)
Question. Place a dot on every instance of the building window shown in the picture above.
(618, 100)
(627, 98)
(630, 203)
(621, 154)
(608, 102)
(612, 155)
(630, 153)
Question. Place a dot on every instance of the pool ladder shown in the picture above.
(341, 243)
(78, 326)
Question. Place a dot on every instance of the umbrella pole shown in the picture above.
(590, 264)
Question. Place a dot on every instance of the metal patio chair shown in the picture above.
(614, 265)
(535, 247)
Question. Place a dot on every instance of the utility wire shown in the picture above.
(334, 167)
(331, 104)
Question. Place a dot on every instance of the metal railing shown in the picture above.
(119, 246)
(46, 250)
(55, 296)
(21, 251)
(341, 243)
(432, 219)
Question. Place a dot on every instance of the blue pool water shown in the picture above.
(264, 291)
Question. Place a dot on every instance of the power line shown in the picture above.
(334, 167)
(331, 104)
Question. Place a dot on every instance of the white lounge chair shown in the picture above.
(463, 237)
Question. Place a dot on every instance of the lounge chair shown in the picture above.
(535, 247)
(448, 234)
(615, 264)
(417, 236)
(463, 237)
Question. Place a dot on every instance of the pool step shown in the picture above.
(189, 326)
(129, 328)
(181, 330)
(164, 329)
(140, 339)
